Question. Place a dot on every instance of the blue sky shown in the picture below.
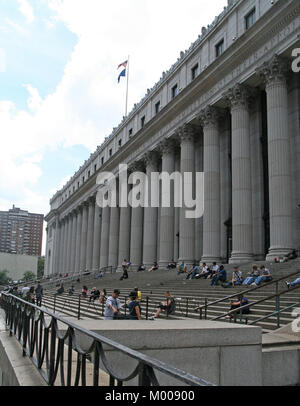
(59, 96)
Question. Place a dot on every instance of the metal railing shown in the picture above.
(239, 311)
(205, 307)
(51, 350)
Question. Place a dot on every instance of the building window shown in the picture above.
(130, 132)
(220, 48)
(110, 152)
(78, 185)
(95, 168)
(102, 161)
(89, 174)
(157, 107)
(174, 91)
(250, 19)
(120, 143)
(83, 179)
(143, 121)
(195, 71)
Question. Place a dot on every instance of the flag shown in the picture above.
(123, 73)
(123, 64)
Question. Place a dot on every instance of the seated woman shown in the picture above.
(84, 291)
(182, 268)
(103, 296)
(154, 267)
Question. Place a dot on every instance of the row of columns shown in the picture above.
(93, 238)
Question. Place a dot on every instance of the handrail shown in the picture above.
(246, 291)
(249, 305)
(20, 314)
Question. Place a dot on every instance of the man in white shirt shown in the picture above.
(24, 290)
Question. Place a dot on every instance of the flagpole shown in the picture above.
(126, 107)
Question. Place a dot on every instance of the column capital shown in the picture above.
(137, 166)
(240, 96)
(167, 146)
(209, 117)
(186, 132)
(274, 70)
(151, 158)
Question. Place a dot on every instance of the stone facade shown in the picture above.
(236, 118)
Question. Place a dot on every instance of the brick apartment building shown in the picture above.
(21, 232)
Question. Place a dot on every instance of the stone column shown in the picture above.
(274, 75)
(257, 175)
(64, 247)
(78, 239)
(212, 208)
(73, 243)
(176, 211)
(104, 244)
(150, 214)
(187, 225)
(69, 243)
(57, 246)
(84, 231)
(90, 233)
(113, 251)
(167, 219)
(225, 185)
(96, 240)
(199, 156)
(124, 232)
(136, 234)
(242, 243)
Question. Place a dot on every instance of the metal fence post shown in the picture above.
(54, 303)
(205, 311)
(79, 304)
(277, 305)
(147, 307)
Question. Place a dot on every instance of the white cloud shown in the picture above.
(88, 102)
(26, 9)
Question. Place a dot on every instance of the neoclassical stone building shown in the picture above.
(230, 107)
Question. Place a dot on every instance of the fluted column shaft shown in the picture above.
(84, 231)
(242, 250)
(78, 239)
(279, 158)
(104, 237)
(124, 230)
(113, 254)
(187, 225)
(96, 240)
(64, 247)
(212, 207)
(57, 246)
(69, 243)
(73, 243)
(167, 219)
(90, 234)
(150, 216)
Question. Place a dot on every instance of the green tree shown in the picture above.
(4, 278)
(28, 275)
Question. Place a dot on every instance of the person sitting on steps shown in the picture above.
(220, 275)
(154, 267)
(169, 306)
(182, 268)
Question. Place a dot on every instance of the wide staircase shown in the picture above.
(211, 302)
